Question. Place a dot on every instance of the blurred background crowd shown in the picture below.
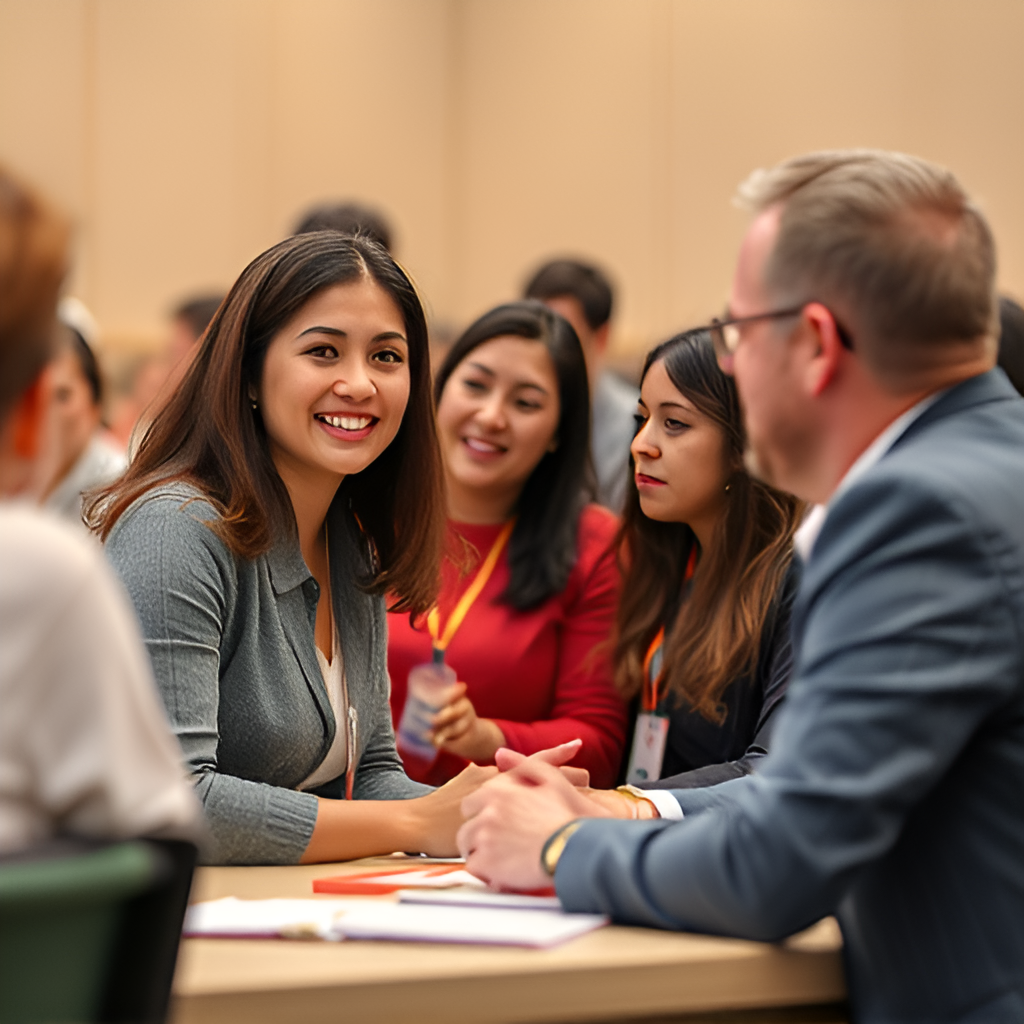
(481, 138)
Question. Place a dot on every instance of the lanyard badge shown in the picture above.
(650, 737)
(651, 733)
(429, 684)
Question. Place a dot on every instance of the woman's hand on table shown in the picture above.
(438, 815)
(458, 729)
(615, 803)
(558, 756)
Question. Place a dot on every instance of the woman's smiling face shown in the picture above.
(679, 455)
(498, 415)
(335, 383)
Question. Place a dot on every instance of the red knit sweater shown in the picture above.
(543, 675)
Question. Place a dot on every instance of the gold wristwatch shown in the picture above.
(555, 846)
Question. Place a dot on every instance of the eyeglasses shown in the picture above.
(726, 333)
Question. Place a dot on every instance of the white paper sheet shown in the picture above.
(378, 919)
(413, 922)
(231, 917)
(483, 897)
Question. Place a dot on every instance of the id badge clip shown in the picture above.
(648, 753)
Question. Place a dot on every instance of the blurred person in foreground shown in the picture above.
(80, 453)
(84, 747)
(862, 334)
(583, 295)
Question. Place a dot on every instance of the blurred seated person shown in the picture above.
(583, 295)
(189, 321)
(531, 653)
(85, 750)
(156, 377)
(349, 218)
(1011, 341)
(702, 642)
(80, 454)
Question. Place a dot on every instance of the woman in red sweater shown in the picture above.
(531, 654)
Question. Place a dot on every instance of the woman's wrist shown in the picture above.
(640, 807)
(479, 744)
(493, 738)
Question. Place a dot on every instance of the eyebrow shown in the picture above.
(519, 383)
(337, 333)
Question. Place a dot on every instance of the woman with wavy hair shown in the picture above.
(291, 481)
(702, 638)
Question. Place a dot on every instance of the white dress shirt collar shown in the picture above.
(805, 537)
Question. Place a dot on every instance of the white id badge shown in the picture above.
(648, 751)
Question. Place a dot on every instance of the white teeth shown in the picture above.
(348, 422)
(482, 446)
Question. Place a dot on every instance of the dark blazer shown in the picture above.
(893, 796)
(231, 641)
(699, 752)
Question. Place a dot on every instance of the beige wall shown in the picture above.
(185, 135)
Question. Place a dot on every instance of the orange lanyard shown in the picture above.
(651, 682)
(442, 640)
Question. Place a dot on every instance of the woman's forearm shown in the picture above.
(347, 829)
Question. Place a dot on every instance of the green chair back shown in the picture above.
(59, 922)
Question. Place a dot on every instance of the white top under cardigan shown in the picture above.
(336, 761)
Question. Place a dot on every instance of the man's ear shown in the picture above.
(823, 365)
(27, 419)
(600, 338)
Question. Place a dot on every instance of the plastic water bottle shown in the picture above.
(425, 696)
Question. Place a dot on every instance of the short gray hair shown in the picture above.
(894, 241)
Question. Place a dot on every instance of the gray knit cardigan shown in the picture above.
(231, 641)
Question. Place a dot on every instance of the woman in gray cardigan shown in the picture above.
(290, 482)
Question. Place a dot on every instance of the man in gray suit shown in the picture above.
(861, 331)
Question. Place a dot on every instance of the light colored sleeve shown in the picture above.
(664, 802)
(104, 759)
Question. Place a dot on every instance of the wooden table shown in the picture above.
(611, 974)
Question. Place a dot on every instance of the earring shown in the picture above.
(252, 402)
(728, 487)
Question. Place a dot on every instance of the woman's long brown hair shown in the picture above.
(208, 435)
(716, 633)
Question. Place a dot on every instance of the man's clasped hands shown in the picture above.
(511, 816)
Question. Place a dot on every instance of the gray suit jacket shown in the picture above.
(893, 795)
(231, 641)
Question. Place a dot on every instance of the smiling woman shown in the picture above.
(257, 529)
(531, 649)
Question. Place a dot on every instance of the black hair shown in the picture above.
(197, 311)
(87, 361)
(542, 549)
(348, 218)
(581, 281)
(1011, 341)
